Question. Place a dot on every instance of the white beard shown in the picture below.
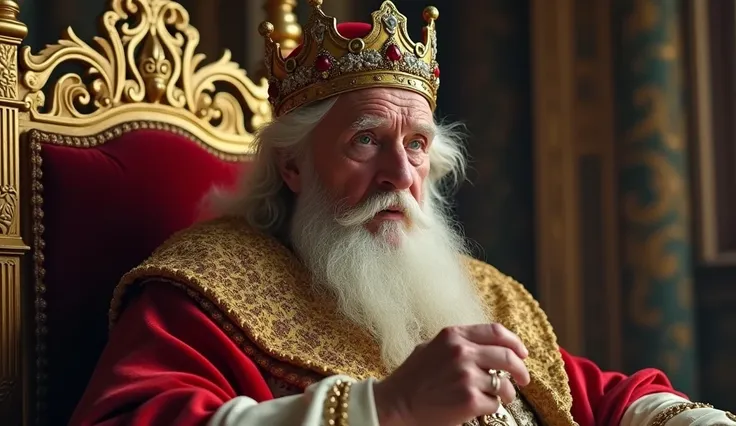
(404, 284)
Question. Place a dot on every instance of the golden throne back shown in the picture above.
(98, 167)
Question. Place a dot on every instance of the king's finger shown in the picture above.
(494, 334)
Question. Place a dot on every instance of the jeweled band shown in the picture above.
(328, 63)
(662, 418)
(337, 403)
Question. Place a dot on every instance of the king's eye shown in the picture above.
(416, 144)
(364, 139)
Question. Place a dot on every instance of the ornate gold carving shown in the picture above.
(10, 326)
(144, 67)
(662, 418)
(8, 205)
(8, 72)
(12, 33)
(11, 29)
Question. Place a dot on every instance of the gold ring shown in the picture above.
(496, 380)
(504, 374)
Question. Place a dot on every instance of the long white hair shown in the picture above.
(263, 200)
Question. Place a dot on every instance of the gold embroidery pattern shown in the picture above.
(258, 292)
(662, 418)
(521, 412)
(336, 404)
(549, 392)
(289, 374)
(730, 416)
(262, 288)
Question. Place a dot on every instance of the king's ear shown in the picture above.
(289, 170)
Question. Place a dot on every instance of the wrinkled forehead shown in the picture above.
(376, 121)
(384, 108)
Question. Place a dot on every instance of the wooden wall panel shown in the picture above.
(713, 81)
(575, 176)
(713, 132)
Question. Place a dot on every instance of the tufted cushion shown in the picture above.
(105, 210)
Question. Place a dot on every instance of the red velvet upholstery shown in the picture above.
(105, 210)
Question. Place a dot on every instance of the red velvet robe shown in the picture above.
(168, 363)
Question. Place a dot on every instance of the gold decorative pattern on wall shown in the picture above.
(654, 191)
(145, 66)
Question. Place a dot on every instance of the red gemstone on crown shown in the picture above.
(436, 72)
(323, 63)
(393, 53)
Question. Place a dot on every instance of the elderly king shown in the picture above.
(334, 289)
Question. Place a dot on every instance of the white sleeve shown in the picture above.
(319, 404)
(671, 410)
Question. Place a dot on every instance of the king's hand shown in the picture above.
(447, 382)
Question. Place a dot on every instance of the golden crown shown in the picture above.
(327, 63)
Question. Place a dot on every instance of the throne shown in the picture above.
(97, 168)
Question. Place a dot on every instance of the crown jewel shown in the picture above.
(358, 56)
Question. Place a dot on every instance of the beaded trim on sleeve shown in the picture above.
(662, 418)
(336, 404)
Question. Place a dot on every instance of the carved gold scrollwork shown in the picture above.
(146, 62)
(8, 72)
(8, 204)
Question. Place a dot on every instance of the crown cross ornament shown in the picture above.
(358, 56)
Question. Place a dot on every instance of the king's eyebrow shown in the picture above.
(367, 122)
(428, 130)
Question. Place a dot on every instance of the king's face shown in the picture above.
(373, 140)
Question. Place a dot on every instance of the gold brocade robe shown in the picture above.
(257, 291)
